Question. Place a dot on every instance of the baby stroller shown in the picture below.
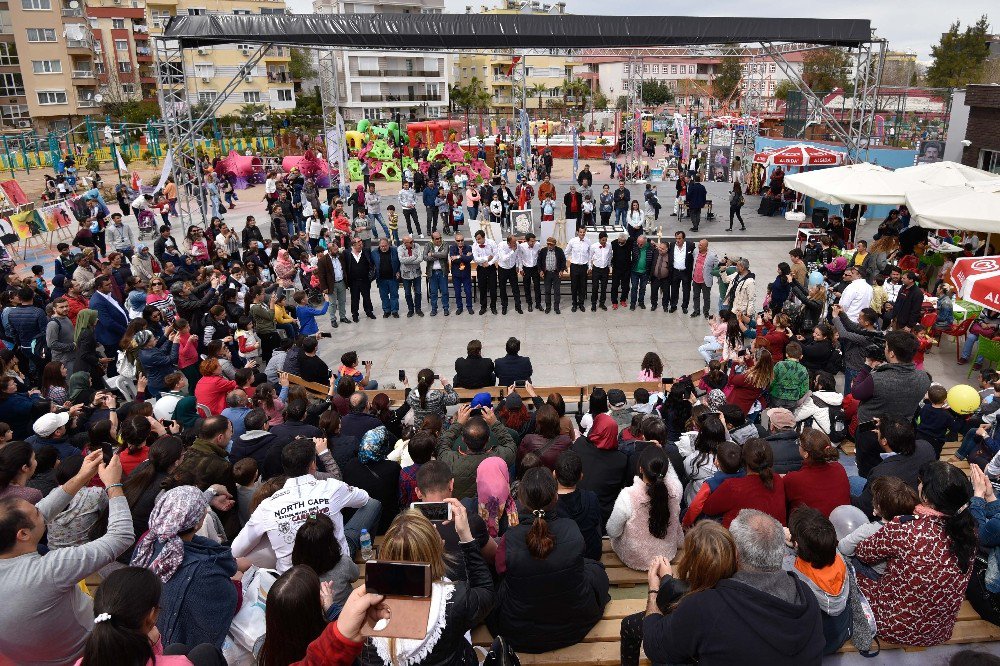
(147, 223)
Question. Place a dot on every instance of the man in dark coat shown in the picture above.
(681, 265)
(909, 302)
(474, 371)
(359, 276)
(331, 273)
(696, 197)
(513, 367)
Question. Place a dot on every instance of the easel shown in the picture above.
(559, 232)
(486, 228)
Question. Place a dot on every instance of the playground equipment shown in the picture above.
(310, 166)
(241, 169)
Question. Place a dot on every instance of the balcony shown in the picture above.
(279, 77)
(382, 73)
(140, 29)
(83, 74)
(143, 54)
(85, 44)
(502, 80)
(89, 103)
(6, 29)
(69, 12)
(401, 98)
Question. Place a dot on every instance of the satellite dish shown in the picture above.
(74, 4)
(98, 98)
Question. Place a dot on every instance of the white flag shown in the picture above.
(120, 161)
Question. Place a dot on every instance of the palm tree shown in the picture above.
(537, 90)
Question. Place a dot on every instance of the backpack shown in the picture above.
(501, 654)
(838, 421)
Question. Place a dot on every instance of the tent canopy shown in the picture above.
(947, 174)
(972, 207)
(487, 31)
(861, 183)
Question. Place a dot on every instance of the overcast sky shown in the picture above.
(907, 24)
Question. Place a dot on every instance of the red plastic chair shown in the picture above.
(957, 331)
(928, 320)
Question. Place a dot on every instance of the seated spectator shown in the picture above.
(392, 419)
(928, 561)
(567, 426)
(421, 450)
(936, 423)
(256, 441)
(134, 434)
(739, 428)
(356, 423)
(580, 506)
(700, 464)
(769, 616)
(349, 368)
(71, 527)
(906, 457)
(46, 589)
(513, 367)
(729, 462)
(294, 615)
(514, 414)
(816, 352)
(379, 477)
(17, 464)
(747, 387)
(175, 387)
(546, 441)
(44, 477)
(51, 430)
(199, 599)
(550, 596)
(425, 400)
(604, 466)
(760, 489)
(814, 410)
(311, 367)
(277, 517)
(318, 548)
(676, 410)
(818, 564)
(126, 610)
(821, 482)
(465, 604)
(213, 388)
(982, 592)
(891, 498)
(464, 457)
(619, 409)
(783, 439)
(597, 404)
(474, 371)
(791, 379)
(158, 358)
(645, 521)
(248, 481)
(651, 369)
(342, 447)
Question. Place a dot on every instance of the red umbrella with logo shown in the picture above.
(977, 279)
(802, 155)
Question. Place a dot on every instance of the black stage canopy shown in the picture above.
(510, 31)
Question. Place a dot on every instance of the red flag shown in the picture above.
(510, 72)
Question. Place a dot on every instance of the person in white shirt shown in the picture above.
(857, 295)
(528, 258)
(578, 257)
(508, 263)
(279, 517)
(600, 260)
(484, 253)
(408, 202)
(893, 285)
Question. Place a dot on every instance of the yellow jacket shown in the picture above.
(281, 316)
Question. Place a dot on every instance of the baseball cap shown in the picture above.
(49, 423)
(481, 400)
(781, 418)
(617, 399)
(513, 402)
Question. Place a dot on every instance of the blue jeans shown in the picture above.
(849, 376)
(968, 445)
(638, 289)
(857, 485)
(438, 284)
(377, 217)
(970, 342)
(711, 345)
(364, 518)
(462, 283)
(388, 292)
(620, 215)
(411, 288)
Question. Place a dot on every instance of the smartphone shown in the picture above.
(868, 426)
(433, 510)
(668, 380)
(402, 375)
(437, 377)
(520, 383)
(108, 453)
(398, 579)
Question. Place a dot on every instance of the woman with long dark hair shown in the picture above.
(735, 204)
(700, 463)
(550, 596)
(145, 483)
(645, 522)
(134, 434)
(426, 400)
(54, 383)
(546, 441)
(760, 489)
(780, 288)
(17, 465)
(317, 547)
(676, 410)
(294, 616)
(928, 561)
(392, 419)
(126, 609)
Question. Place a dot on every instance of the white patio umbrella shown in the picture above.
(861, 183)
(973, 207)
(947, 174)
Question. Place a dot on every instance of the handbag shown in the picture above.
(246, 634)
(863, 625)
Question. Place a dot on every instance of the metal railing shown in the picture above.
(401, 98)
(83, 74)
(69, 11)
(400, 72)
(78, 44)
(86, 103)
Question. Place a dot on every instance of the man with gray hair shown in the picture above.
(741, 297)
(761, 615)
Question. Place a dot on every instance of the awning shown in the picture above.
(861, 183)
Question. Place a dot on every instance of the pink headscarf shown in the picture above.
(493, 490)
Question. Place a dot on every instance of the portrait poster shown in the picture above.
(523, 222)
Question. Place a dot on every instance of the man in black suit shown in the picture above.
(513, 367)
(474, 371)
(681, 265)
(551, 263)
(906, 310)
(359, 278)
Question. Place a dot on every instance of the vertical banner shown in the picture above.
(336, 149)
(120, 161)
(576, 150)
(684, 136)
(720, 154)
(168, 166)
(525, 143)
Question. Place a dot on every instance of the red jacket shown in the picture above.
(748, 492)
(211, 391)
(822, 486)
(331, 649)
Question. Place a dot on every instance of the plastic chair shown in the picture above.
(928, 320)
(957, 331)
(990, 351)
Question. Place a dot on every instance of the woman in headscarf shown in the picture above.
(186, 412)
(79, 388)
(199, 598)
(285, 269)
(89, 358)
(496, 505)
(371, 472)
(604, 466)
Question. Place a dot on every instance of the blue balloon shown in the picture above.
(325, 207)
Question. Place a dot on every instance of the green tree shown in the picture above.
(536, 90)
(825, 69)
(622, 103)
(727, 79)
(301, 65)
(601, 100)
(782, 89)
(959, 57)
(655, 93)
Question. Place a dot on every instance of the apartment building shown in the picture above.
(209, 69)
(544, 73)
(383, 85)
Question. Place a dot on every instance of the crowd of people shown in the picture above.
(151, 435)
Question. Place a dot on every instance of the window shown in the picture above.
(46, 66)
(673, 69)
(645, 68)
(251, 97)
(12, 112)
(989, 160)
(124, 66)
(244, 47)
(624, 85)
(99, 67)
(683, 69)
(265, 12)
(36, 5)
(95, 24)
(771, 68)
(51, 97)
(284, 95)
(159, 17)
(196, 11)
(11, 84)
(656, 69)
(121, 45)
(118, 24)
(207, 96)
(8, 54)
(242, 12)
(41, 35)
(128, 88)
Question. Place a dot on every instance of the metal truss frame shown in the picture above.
(333, 123)
(633, 134)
